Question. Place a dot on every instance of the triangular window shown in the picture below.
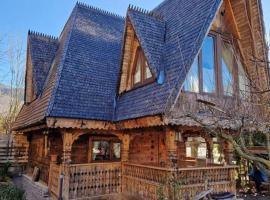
(141, 71)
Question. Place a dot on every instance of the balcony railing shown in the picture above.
(148, 181)
(98, 179)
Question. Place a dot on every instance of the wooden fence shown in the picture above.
(12, 152)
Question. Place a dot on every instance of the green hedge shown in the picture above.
(10, 192)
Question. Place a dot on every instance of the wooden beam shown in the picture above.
(149, 121)
(230, 18)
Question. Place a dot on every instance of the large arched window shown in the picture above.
(141, 73)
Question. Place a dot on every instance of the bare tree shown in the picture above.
(242, 121)
(15, 61)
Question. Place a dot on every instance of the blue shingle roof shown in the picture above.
(150, 30)
(90, 71)
(42, 50)
(83, 78)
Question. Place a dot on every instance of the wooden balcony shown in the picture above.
(101, 179)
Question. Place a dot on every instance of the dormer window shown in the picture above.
(141, 71)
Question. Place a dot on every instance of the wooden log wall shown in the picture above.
(80, 150)
(148, 148)
(42, 145)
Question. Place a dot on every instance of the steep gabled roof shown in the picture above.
(150, 30)
(82, 79)
(42, 49)
(86, 87)
(36, 111)
(187, 24)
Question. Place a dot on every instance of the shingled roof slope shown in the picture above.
(42, 50)
(36, 111)
(150, 30)
(187, 24)
(88, 79)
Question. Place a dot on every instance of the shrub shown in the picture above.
(10, 192)
(4, 171)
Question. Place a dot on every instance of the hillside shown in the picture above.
(5, 97)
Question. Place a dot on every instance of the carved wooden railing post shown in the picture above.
(171, 146)
(66, 161)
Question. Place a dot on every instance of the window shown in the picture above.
(141, 72)
(192, 82)
(106, 150)
(227, 65)
(244, 86)
(214, 69)
(208, 65)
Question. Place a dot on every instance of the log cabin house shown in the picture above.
(103, 101)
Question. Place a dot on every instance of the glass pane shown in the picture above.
(148, 73)
(116, 150)
(137, 74)
(208, 65)
(227, 60)
(101, 150)
(192, 81)
(244, 88)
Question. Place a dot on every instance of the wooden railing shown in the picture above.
(148, 181)
(94, 179)
(97, 179)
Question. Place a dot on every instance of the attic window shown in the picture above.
(141, 71)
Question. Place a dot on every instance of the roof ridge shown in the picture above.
(43, 35)
(144, 11)
(87, 6)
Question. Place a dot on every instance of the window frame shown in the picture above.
(111, 142)
(144, 80)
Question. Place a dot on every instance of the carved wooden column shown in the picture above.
(171, 146)
(228, 153)
(46, 133)
(210, 147)
(66, 161)
(67, 147)
(125, 147)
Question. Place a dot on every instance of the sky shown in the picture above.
(49, 16)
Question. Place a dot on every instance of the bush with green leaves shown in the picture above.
(10, 192)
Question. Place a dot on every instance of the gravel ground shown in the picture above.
(34, 191)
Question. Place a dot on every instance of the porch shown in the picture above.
(144, 163)
(141, 181)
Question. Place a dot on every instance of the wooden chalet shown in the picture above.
(103, 101)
